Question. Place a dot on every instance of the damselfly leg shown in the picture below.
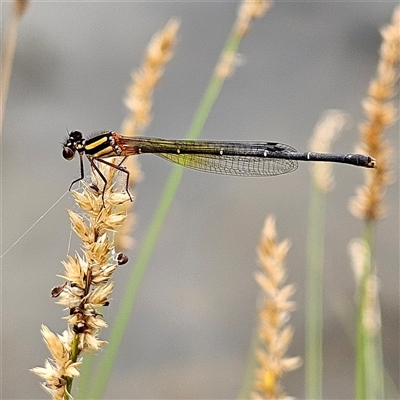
(119, 167)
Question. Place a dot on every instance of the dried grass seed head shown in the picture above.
(380, 114)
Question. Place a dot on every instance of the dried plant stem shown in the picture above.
(8, 50)
(166, 199)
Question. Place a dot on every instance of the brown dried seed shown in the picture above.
(56, 291)
(122, 258)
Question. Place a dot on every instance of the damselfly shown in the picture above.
(220, 157)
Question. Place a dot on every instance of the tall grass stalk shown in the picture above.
(314, 327)
(368, 205)
(369, 363)
(325, 132)
(251, 366)
(369, 367)
(224, 68)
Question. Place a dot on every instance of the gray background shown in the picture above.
(191, 325)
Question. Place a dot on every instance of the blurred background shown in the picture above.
(195, 313)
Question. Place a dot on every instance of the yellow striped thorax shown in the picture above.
(101, 146)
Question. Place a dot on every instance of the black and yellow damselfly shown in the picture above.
(219, 157)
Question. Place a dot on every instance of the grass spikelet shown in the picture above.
(249, 10)
(359, 251)
(60, 368)
(20, 7)
(274, 334)
(87, 288)
(326, 131)
(381, 114)
(139, 102)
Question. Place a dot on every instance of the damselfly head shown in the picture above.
(74, 143)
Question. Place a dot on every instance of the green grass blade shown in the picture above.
(248, 380)
(313, 355)
(83, 383)
(134, 281)
(369, 362)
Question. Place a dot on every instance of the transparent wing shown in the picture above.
(231, 164)
(219, 157)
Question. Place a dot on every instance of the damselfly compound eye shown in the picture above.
(68, 153)
(76, 135)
